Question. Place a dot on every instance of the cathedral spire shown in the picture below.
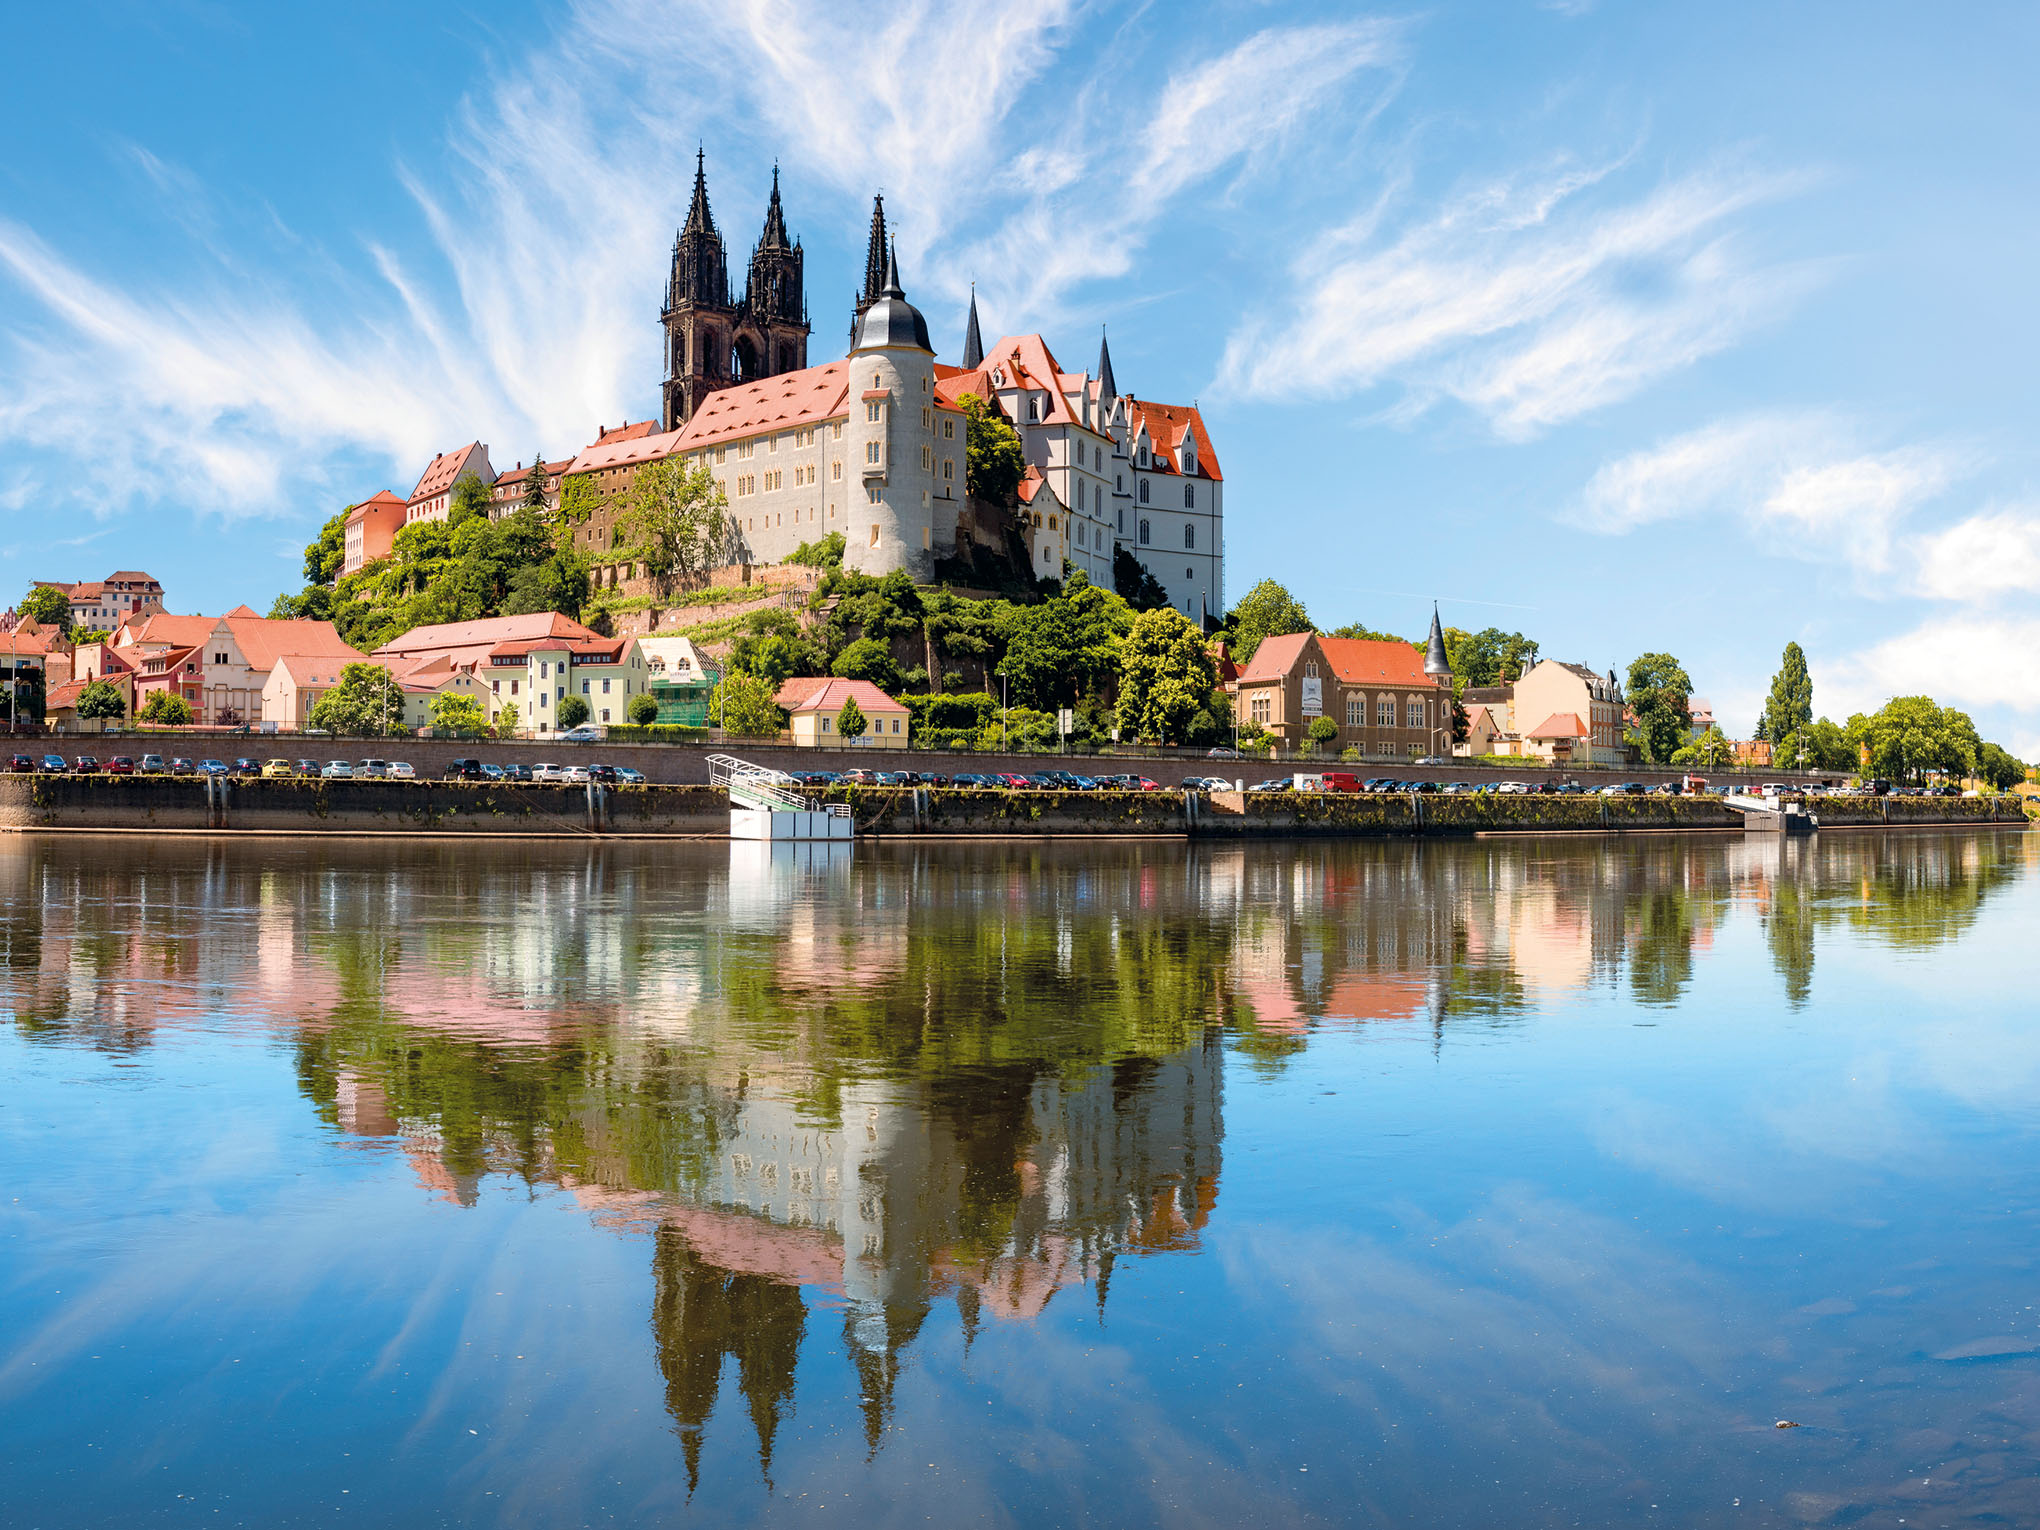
(699, 219)
(1107, 388)
(875, 251)
(1436, 665)
(973, 342)
(774, 237)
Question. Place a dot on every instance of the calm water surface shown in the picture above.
(1511, 1183)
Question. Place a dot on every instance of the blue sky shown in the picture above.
(1632, 327)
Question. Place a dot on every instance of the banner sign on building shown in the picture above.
(1313, 696)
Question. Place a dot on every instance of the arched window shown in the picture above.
(1143, 491)
(1189, 496)
(1189, 536)
(1144, 534)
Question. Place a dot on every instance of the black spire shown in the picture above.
(973, 342)
(774, 237)
(1436, 665)
(699, 219)
(875, 251)
(1107, 388)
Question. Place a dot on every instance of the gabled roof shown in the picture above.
(166, 629)
(1375, 661)
(1033, 485)
(621, 451)
(605, 435)
(794, 691)
(130, 576)
(1166, 424)
(444, 470)
(306, 670)
(263, 642)
(375, 503)
(1559, 725)
(830, 694)
(451, 637)
(1025, 362)
(1275, 657)
(791, 399)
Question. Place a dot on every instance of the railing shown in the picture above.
(755, 785)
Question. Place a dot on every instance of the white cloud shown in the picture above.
(1969, 661)
(521, 317)
(1980, 559)
(1529, 300)
(1799, 483)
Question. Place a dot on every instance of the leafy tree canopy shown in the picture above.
(1657, 691)
(167, 708)
(744, 705)
(1166, 677)
(328, 550)
(1134, 584)
(868, 659)
(679, 522)
(643, 709)
(453, 712)
(367, 703)
(1490, 656)
(49, 606)
(1789, 707)
(1711, 751)
(100, 699)
(825, 553)
(1999, 767)
(570, 713)
(1065, 648)
(1267, 610)
(850, 722)
(994, 461)
(1910, 737)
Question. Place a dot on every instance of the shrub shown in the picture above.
(642, 710)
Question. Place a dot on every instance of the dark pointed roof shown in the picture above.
(1435, 662)
(774, 237)
(699, 219)
(1107, 388)
(891, 320)
(973, 342)
(875, 251)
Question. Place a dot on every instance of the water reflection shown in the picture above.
(842, 1096)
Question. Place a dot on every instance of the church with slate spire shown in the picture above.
(714, 341)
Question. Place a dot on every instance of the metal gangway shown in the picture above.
(759, 789)
(1772, 813)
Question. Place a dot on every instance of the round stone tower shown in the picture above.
(889, 520)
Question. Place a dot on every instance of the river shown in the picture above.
(1513, 1182)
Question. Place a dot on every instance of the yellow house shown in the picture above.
(814, 704)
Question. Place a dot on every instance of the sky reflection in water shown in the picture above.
(1521, 1181)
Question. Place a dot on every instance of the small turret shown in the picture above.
(1436, 664)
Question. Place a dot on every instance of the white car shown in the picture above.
(544, 773)
(400, 770)
(573, 775)
(337, 770)
(587, 733)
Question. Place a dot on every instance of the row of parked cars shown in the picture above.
(543, 774)
(998, 780)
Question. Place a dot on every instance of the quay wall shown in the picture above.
(460, 807)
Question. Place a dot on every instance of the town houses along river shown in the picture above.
(1517, 1182)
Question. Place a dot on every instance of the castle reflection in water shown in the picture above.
(864, 1088)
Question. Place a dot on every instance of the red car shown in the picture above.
(120, 765)
(1010, 779)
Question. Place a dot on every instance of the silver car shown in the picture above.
(337, 770)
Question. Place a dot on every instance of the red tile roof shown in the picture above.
(1559, 725)
(444, 470)
(603, 436)
(1375, 661)
(796, 690)
(621, 451)
(830, 694)
(1275, 657)
(791, 399)
(1165, 426)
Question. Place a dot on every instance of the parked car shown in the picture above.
(308, 767)
(120, 765)
(511, 772)
(1207, 783)
(587, 733)
(22, 764)
(85, 765)
(152, 765)
(463, 770)
(246, 766)
(54, 765)
(212, 767)
(547, 772)
(967, 778)
(628, 777)
(1011, 780)
(182, 767)
(815, 778)
(574, 775)
(860, 778)
(492, 772)
(278, 770)
(1222, 754)
(337, 770)
(603, 775)
(1279, 784)
(400, 770)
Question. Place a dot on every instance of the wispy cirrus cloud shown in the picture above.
(548, 212)
(1530, 300)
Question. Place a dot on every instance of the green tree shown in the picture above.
(1134, 584)
(367, 703)
(1789, 707)
(460, 715)
(1910, 737)
(470, 498)
(825, 553)
(1828, 747)
(1322, 731)
(328, 551)
(166, 708)
(994, 461)
(868, 659)
(1490, 656)
(507, 721)
(559, 584)
(1998, 767)
(1710, 751)
(534, 487)
(745, 707)
(570, 713)
(850, 721)
(643, 710)
(1065, 648)
(1165, 677)
(1267, 610)
(99, 699)
(1657, 692)
(678, 521)
(1363, 631)
(48, 606)
(579, 500)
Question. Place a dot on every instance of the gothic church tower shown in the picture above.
(712, 342)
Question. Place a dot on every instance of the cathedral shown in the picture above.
(874, 446)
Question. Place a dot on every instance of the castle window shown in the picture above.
(1356, 711)
(875, 382)
(1143, 491)
(836, 471)
(1384, 713)
(1310, 670)
(949, 430)
(1189, 496)
(1051, 523)
(928, 458)
(835, 432)
(1188, 573)
(1189, 536)
(871, 493)
(1122, 520)
(1033, 409)
(1416, 714)
(874, 534)
(1118, 483)
(871, 451)
(1144, 537)
(927, 418)
(948, 467)
(871, 412)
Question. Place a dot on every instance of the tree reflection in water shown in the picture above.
(895, 1078)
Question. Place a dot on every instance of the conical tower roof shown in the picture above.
(1436, 664)
(774, 237)
(973, 342)
(1107, 388)
(875, 251)
(891, 320)
(699, 219)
